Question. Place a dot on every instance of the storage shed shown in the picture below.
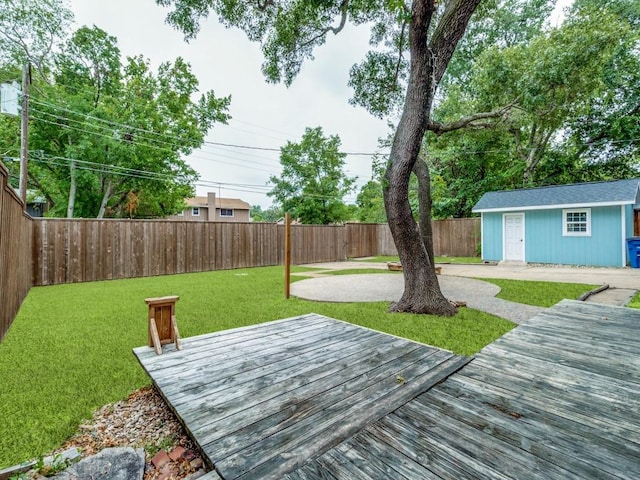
(577, 224)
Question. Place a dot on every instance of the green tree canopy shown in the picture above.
(271, 214)
(313, 183)
(31, 29)
(107, 137)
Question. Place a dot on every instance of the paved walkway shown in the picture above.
(372, 287)
(456, 285)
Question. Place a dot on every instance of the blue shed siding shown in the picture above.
(492, 236)
(544, 242)
(628, 216)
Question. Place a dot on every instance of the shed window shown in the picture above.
(576, 223)
(195, 211)
(226, 212)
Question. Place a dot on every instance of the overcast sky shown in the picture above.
(264, 115)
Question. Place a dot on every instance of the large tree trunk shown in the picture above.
(421, 171)
(428, 62)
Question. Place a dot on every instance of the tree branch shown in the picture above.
(42, 190)
(470, 121)
(262, 5)
(336, 30)
(536, 152)
(400, 56)
(517, 136)
(448, 32)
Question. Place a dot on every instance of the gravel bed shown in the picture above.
(143, 420)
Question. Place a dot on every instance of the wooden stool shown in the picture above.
(162, 322)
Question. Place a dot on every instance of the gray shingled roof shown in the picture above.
(617, 192)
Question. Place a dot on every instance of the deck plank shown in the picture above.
(292, 396)
(367, 445)
(556, 398)
(440, 458)
(206, 379)
(485, 448)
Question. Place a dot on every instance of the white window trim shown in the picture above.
(566, 233)
(195, 212)
(181, 214)
(227, 216)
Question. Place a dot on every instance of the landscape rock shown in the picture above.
(122, 463)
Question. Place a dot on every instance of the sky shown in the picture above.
(263, 115)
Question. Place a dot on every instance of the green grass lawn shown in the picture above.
(69, 350)
(541, 294)
(386, 258)
(635, 301)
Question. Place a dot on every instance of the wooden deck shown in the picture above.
(313, 398)
(556, 398)
(261, 401)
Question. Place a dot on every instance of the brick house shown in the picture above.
(212, 209)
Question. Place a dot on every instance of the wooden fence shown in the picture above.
(54, 251)
(456, 237)
(69, 251)
(15, 253)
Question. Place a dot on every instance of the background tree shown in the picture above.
(413, 42)
(31, 29)
(370, 203)
(571, 118)
(313, 184)
(103, 131)
(271, 214)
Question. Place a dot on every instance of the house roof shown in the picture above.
(617, 192)
(234, 203)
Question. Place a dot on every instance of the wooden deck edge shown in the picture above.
(168, 347)
(387, 333)
(207, 461)
(212, 475)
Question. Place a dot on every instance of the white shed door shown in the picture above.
(514, 237)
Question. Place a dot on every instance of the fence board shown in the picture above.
(385, 244)
(16, 251)
(456, 237)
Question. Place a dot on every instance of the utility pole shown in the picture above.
(24, 133)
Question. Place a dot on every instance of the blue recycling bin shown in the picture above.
(633, 251)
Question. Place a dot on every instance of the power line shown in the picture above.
(141, 144)
(206, 142)
(130, 172)
(112, 126)
(117, 170)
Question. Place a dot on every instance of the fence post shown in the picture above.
(287, 254)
